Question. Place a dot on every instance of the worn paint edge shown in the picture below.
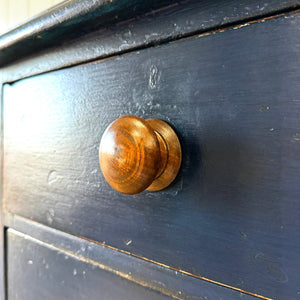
(191, 35)
(169, 40)
(238, 26)
(16, 222)
(177, 270)
(93, 262)
(25, 30)
(262, 20)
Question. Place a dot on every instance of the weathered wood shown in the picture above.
(70, 18)
(232, 215)
(37, 270)
(123, 25)
(147, 274)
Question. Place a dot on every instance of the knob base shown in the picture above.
(171, 155)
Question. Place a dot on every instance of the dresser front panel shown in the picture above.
(232, 214)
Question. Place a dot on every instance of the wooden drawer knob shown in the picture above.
(137, 154)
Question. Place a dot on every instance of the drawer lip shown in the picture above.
(64, 18)
(175, 283)
(54, 26)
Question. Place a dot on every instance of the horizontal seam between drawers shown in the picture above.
(9, 222)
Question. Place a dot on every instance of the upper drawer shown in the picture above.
(233, 97)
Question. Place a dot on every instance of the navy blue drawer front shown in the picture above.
(232, 214)
(40, 271)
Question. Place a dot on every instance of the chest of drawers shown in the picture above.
(225, 76)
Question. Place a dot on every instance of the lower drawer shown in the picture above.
(37, 270)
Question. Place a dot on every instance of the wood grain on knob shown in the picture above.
(137, 154)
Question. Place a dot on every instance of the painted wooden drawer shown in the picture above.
(232, 214)
(35, 272)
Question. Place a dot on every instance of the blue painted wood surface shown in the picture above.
(232, 215)
(98, 264)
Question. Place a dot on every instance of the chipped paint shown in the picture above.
(178, 270)
(262, 20)
(296, 137)
(243, 235)
(263, 108)
(9, 221)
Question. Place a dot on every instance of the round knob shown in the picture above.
(137, 154)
